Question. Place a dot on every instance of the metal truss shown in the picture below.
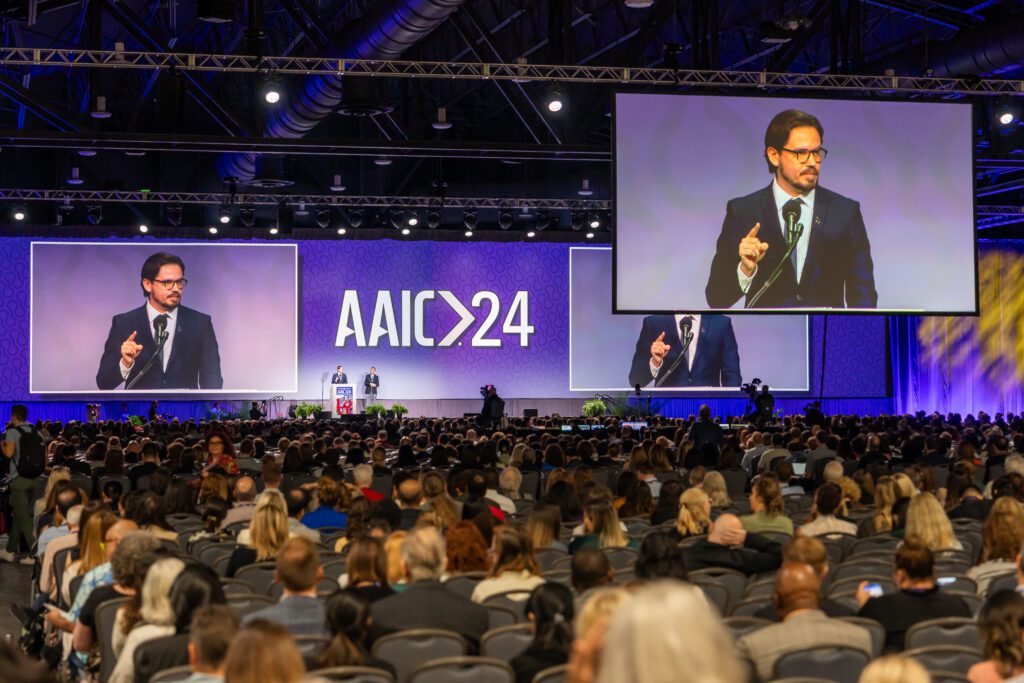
(310, 200)
(517, 72)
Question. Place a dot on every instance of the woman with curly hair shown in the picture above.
(1002, 537)
(1000, 622)
(466, 549)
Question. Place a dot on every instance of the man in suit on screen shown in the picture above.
(189, 359)
(712, 359)
(830, 266)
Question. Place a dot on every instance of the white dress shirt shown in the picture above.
(695, 329)
(806, 218)
(172, 326)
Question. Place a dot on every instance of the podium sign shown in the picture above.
(343, 399)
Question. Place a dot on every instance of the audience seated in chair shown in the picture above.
(299, 611)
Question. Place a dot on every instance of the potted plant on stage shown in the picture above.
(397, 410)
(595, 407)
(376, 410)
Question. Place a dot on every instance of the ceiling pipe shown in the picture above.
(388, 30)
(993, 48)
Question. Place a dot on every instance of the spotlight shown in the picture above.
(412, 219)
(433, 219)
(274, 230)
(469, 219)
(555, 101)
(382, 161)
(342, 231)
(1006, 118)
(543, 221)
(100, 112)
(76, 177)
(86, 152)
(271, 89)
(355, 218)
(225, 215)
(336, 186)
(531, 234)
(577, 222)
(442, 122)
(174, 215)
(143, 228)
(590, 235)
(135, 153)
(94, 214)
(595, 222)
(323, 217)
(505, 220)
(301, 210)
(213, 229)
(19, 213)
(469, 233)
(397, 220)
(247, 215)
(585, 190)
(638, 4)
(406, 231)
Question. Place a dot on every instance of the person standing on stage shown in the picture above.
(371, 383)
(339, 377)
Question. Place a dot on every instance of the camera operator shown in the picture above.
(494, 407)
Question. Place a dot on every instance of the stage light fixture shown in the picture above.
(174, 215)
(342, 231)
(396, 219)
(412, 219)
(531, 234)
(543, 221)
(247, 215)
(406, 231)
(585, 190)
(590, 235)
(433, 219)
(323, 217)
(100, 110)
(274, 230)
(638, 4)
(442, 122)
(213, 229)
(336, 186)
(469, 219)
(1006, 117)
(555, 101)
(469, 233)
(300, 210)
(595, 221)
(505, 220)
(18, 213)
(86, 152)
(355, 218)
(271, 89)
(135, 153)
(382, 161)
(225, 215)
(94, 214)
(143, 228)
(577, 222)
(76, 176)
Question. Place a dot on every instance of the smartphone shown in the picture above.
(874, 590)
(945, 580)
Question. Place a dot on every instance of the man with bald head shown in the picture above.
(729, 546)
(804, 625)
(409, 496)
(245, 503)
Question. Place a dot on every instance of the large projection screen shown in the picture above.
(889, 227)
(235, 328)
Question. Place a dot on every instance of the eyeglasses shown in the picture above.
(802, 155)
(215, 443)
(171, 284)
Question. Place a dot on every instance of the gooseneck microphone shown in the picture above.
(160, 326)
(686, 331)
(790, 215)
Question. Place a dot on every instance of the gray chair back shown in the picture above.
(741, 626)
(735, 582)
(875, 629)
(716, 593)
(106, 616)
(513, 600)
(500, 615)
(173, 675)
(243, 605)
(948, 631)
(547, 557)
(464, 670)
(506, 643)
(407, 651)
(259, 576)
(464, 584)
(839, 664)
(953, 658)
(552, 674)
(1003, 582)
(353, 674)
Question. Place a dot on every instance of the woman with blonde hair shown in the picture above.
(91, 550)
(895, 669)
(514, 567)
(544, 526)
(714, 485)
(263, 652)
(601, 528)
(47, 503)
(265, 535)
(694, 513)
(905, 487)
(767, 507)
(653, 646)
(448, 510)
(927, 521)
(1002, 537)
(393, 552)
(155, 612)
(886, 495)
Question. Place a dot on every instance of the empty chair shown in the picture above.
(408, 650)
(468, 669)
(956, 582)
(735, 582)
(947, 631)
(235, 587)
(259, 576)
(501, 615)
(838, 542)
(839, 664)
(506, 643)
(953, 658)
(716, 593)
(353, 674)
(621, 558)
(887, 543)
(856, 570)
(106, 614)
(740, 626)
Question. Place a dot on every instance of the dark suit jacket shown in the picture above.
(838, 271)
(716, 360)
(428, 604)
(366, 383)
(194, 361)
(757, 555)
(339, 379)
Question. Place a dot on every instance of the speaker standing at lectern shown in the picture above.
(339, 377)
(371, 383)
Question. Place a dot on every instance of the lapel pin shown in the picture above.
(817, 220)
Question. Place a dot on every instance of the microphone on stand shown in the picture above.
(686, 328)
(160, 326)
(790, 214)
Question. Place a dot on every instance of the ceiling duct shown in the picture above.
(387, 30)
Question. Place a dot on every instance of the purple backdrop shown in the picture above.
(679, 159)
(771, 347)
(248, 290)
(362, 270)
